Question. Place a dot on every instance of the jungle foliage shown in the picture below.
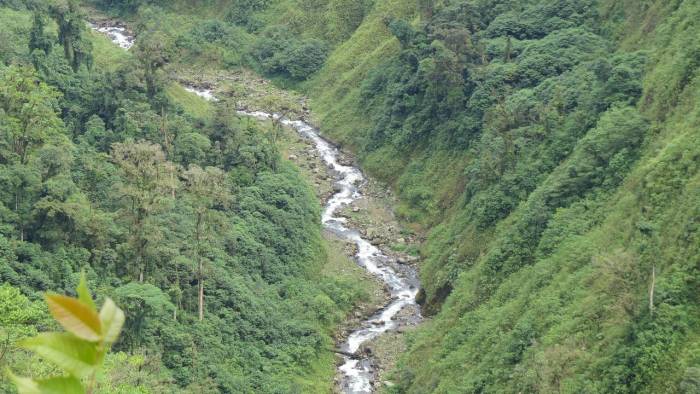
(208, 241)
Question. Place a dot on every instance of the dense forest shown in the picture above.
(548, 149)
(195, 226)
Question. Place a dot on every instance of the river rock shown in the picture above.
(293, 157)
(372, 233)
(346, 161)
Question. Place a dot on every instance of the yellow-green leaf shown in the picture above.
(24, 385)
(58, 385)
(61, 385)
(84, 293)
(77, 357)
(112, 319)
(75, 317)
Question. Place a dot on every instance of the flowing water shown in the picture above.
(206, 94)
(358, 372)
(118, 34)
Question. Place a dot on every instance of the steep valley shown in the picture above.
(533, 164)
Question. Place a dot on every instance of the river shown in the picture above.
(359, 373)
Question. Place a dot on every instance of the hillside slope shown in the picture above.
(550, 149)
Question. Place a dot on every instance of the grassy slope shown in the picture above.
(335, 98)
(578, 310)
(334, 90)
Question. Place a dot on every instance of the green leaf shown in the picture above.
(61, 385)
(58, 385)
(75, 317)
(24, 385)
(77, 357)
(84, 293)
(112, 319)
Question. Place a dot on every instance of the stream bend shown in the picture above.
(359, 373)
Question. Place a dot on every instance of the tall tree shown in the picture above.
(150, 51)
(71, 26)
(28, 114)
(38, 39)
(206, 188)
(28, 121)
(147, 182)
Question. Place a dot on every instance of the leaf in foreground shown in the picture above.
(112, 319)
(78, 358)
(75, 317)
(59, 385)
(84, 293)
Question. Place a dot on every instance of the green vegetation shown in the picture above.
(176, 208)
(287, 40)
(80, 351)
(549, 150)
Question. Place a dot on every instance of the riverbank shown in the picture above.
(373, 217)
(368, 222)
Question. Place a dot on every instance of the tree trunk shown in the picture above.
(200, 265)
(509, 50)
(140, 261)
(201, 293)
(21, 222)
(140, 243)
(651, 290)
(167, 143)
